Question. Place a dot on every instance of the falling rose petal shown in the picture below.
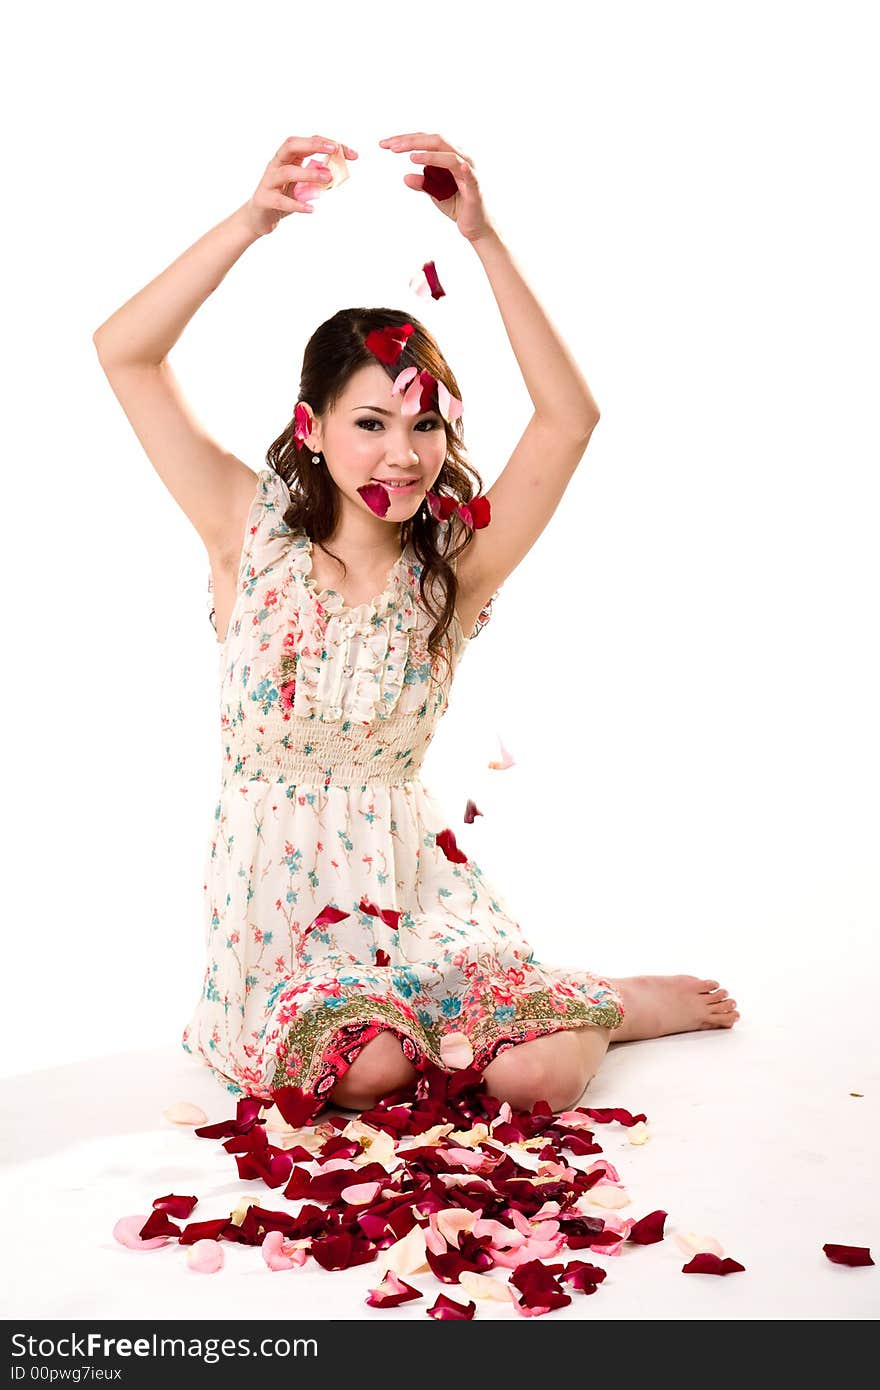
(506, 760)
(361, 1193)
(412, 396)
(302, 423)
(446, 842)
(483, 1286)
(388, 343)
(282, 1254)
(376, 497)
(184, 1113)
(471, 812)
(389, 915)
(402, 380)
(442, 505)
(439, 182)
(382, 957)
(849, 1254)
(179, 1207)
(689, 1243)
(449, 406)
(649, 1230)
(433, 279)
(391, 1292)
(639, 1133)
(419, 285)
(476, 513)
(710, 1264)
(456, 1051)
(205, 1256)
(446, 1309)
(126, 1232)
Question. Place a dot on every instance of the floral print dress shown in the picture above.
(335, 906)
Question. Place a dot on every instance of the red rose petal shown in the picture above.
(388, 343)
(710, 1264)
(376, 497)
(446, 842)
(439, 182)
(158, 1224)
(382, 957)
(297, 1107)
(445, 1309)
(175, 1206)
(605, 1117)
(476, 513)
(441, 504)
(849, 1254)
(437, 290)
(649, 1230)
(471, 812)
(392, 1292)
(343, 1251)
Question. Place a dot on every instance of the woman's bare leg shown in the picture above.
(659, 1004)
(556, 1067)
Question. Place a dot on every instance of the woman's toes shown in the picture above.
(708, 984)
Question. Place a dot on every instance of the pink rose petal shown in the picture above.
(456, 1051)
(205, 1256)
(183, 1112)
(126, 1232)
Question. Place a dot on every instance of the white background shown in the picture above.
(684, 667)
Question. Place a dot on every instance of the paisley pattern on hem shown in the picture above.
(326, 714)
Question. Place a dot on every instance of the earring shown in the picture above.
(316, 458)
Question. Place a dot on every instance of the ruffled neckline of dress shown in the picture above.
(332, 601)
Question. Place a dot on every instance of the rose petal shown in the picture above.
(506, 760)
(205, 1256)
(406, 1256)
(376, 497)
(361, 1193)
(608, 1196)
(439, 182)
(849, 1254)
(446, 841)
(388, 343)
(282, 1254)
(126, 1232)
(183, 1112)
(639, 1133)
(483, 1286)
(471, 812)
(391, 1292)
(710, 1264)
(689, 1243)
(446, 1309)
(456, 1051)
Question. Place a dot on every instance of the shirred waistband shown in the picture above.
(309, 750)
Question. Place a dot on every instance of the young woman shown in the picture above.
(351, 940)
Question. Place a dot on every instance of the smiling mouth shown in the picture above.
(396, 484)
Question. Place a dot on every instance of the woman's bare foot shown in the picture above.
(659, 1004)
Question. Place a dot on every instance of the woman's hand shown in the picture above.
(465, 206)
(270, 202)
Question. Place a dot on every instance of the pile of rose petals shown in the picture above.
(439, 1179)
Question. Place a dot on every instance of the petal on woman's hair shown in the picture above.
(441, 504)
(402, 380)
(476, 513)
(388, 343)
(302, 423)
(448, 405)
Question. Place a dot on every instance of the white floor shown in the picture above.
(755, 1139)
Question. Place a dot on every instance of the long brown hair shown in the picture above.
(335, 351)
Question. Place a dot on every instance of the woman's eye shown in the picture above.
(432, 424)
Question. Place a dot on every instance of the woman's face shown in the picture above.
(366, 439)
